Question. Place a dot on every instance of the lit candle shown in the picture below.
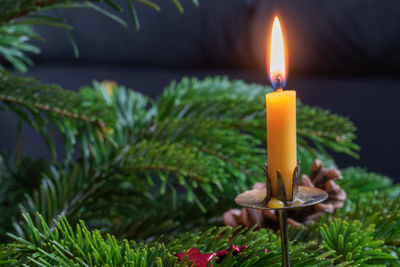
(281, 118)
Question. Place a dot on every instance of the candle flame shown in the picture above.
(277, 57)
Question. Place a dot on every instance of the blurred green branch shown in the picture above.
(17, 18)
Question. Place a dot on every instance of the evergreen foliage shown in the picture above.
(371, 212)
(143, 179)
(45, 106)
(188, 145)
(14, 44)
(154, 158)
(363, 182)
(353, 243)
(78, 246)
(15, 182)
(18, 16)
(344, 244)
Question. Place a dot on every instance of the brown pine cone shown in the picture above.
(320, 177)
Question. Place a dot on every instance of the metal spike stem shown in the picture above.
(282, 215)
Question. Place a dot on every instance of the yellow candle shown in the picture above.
(281, 118)
(281, 138)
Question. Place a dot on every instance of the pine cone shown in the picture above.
(320, 177)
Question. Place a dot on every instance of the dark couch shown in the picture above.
(344, 56)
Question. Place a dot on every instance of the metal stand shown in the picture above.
(303, 197)
(284, 237)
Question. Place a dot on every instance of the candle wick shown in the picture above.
(278, 80)
(278, 84)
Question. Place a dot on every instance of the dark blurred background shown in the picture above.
(343, 56)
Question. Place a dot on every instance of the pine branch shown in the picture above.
(324, 129)
(242, 106)
(15, 9)
(34, 95)
(70, 191)
(140, 119)
(378, 209)
(72, 113)
(14, 45)
(16, 181)
(372, 201)
(263, 247)
(353, 243)
(69, 246)
(371, 250)
(18, 16)
(130, 213)
(358, 180)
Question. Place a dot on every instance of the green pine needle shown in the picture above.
(353, 243)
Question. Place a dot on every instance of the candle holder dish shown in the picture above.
(302, 196)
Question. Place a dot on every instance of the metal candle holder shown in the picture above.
(302, 196)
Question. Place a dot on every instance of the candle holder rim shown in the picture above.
(256, 198)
